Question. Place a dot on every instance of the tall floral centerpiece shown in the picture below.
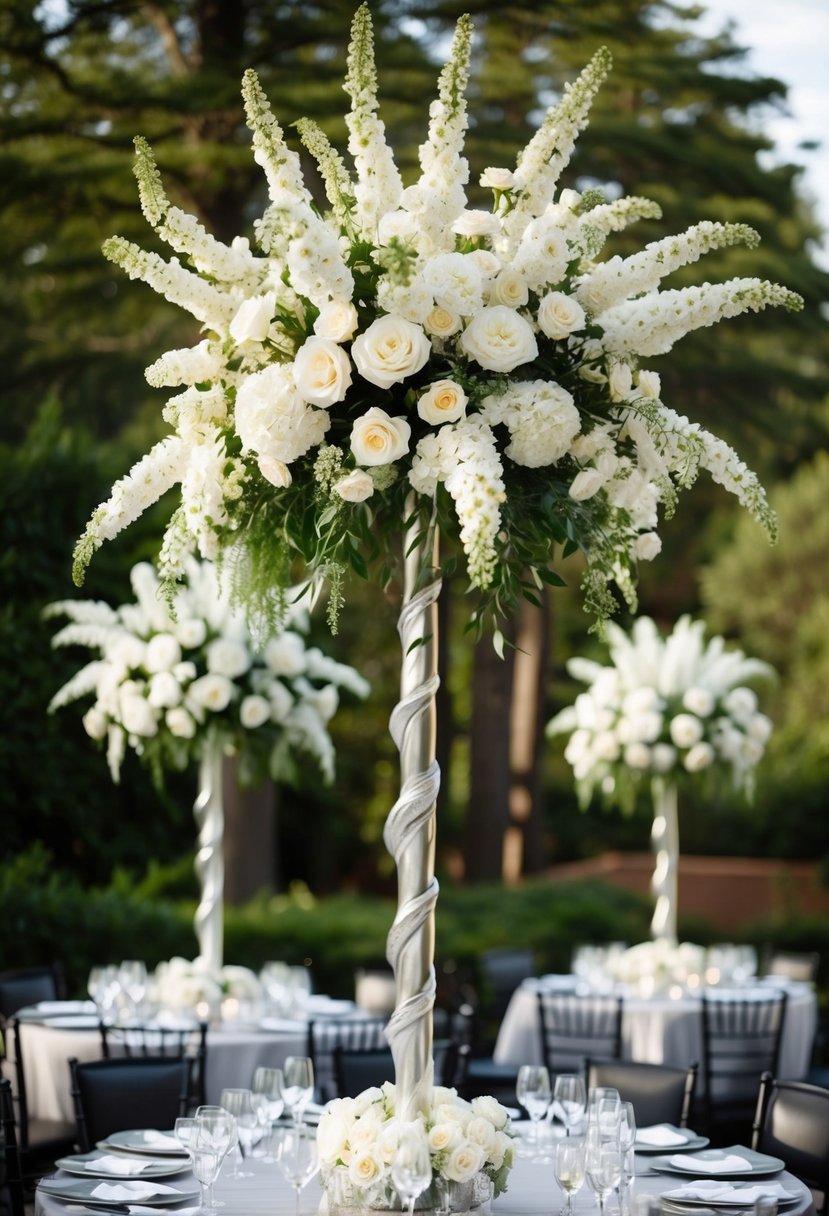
(400, 368)
(668, 710)
(183, 680)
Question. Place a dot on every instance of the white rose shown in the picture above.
(275, 471)
(191, 632)
(700, 756)
(664, 757)
(699, 701)
(751, 751)
(649, 384)
(254, 711)
(127, 652)
(499, 339)
(464, 1162)
(390, 350)
(165, 690)
(647, 546)
(481, 1132)
(95, 722)
(324, 701)
(137, 716)
(185, 672)
(337, 320)
(253, 318)
(637, 756)
(162, 653)
(741, 703)
(509, 288)
(444, 1135)
(620, 381)
(760, 728)
(322, 372)
(487, 262)
(489, 1108)
(641, 700)
(560, 315)
(282, 702)
(686, 730)
(212, 692)
(363, 1168)
(356, 486)
(474, 223)
(332, 1135)
(378, 439)
(285, 654)
(443, 401)
(441, 323)
(180, 723)
(497, 179)
(585, 484)
(227, 658)
(606, 746)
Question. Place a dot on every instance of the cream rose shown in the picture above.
(474, 223)
(464, 1163)
(499, 339)
(685, 730)
(162, 653)
(441, 323)
(254, 711)
(497, 179)
(638, 756)
(275, 471)
(443, 401)
(137, 716)
(390, 350)
(165, 690)
(225, 657)
(212, 692)
(180, 723)
(487, 1107)
(664, 757)
(364, 1168)
(700, 756)
(649, 384)
(95, 722)
(443, 1136)
(322, 372)
(337, 321)
(356, 486)
(585, 484)
(699, 701)
(253, 318)
(378, 439)
(191, 632)
(647, 546)
(285, 654)
(509, 288)
(560, 315)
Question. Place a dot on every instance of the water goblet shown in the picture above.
(411, 1167)
(297, 1085)
(216, 1129)
(603, 1106)
(532, 1089)
(184, 1131)
(132, 976)
(603, 1162)
(267, 1083)
(570, 1098)
(206, 1162)
(104, 987)
(627, 1139)
(569, 1168)
(297, 1158)
(238, 1103)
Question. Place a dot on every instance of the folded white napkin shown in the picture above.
(122, 1192)
(710, 1190)
(117, 1165)
(162, 1140)
(722, 1165)
(137, 1209)
(659, 1136)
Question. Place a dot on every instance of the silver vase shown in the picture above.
(665, 845)
(208, 810)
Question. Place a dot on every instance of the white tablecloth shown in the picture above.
(658, 1029)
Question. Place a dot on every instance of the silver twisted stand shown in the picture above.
(409, 834)
(208, 810)
(665, 844)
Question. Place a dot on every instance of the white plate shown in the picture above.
(326, 1006)
(681, 1201)
(152, 1167)
(758, 1166)
(72, 1021)
(691, 1142)
(79, 1190)
(133, 1141)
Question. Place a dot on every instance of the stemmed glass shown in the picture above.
(570, 1096)
(297, 1085)
(132, 976)
(184, 1131)
(104, 986)
(569, 1168)
(604, 1106)
(533, 1091)
(268, 1083)
(627, 1139)
(297, 1158)
(206, 1162)
(237, 1102)
(215, 1131)
(603, 1161)
(411, 1167)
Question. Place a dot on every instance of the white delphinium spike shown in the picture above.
(616, 216)
(548, 152)
(83, 612)
(187, 365)
(281, 165)
(619, 278)
(320, 667)
(339, 188)
(651, 325)
(84, 634)
(82, 682)
(378, 187)
(206, 303)
(195, 412)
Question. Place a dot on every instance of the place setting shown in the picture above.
(102, 1164)
(662, 1136)
(129, 1196)
(720, 1163)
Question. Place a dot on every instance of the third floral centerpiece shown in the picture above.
(671, 710)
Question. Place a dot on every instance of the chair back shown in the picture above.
(504, 969)
(792, 1122)
(355, 1071)
(741, 1036)
(352, 1034)
(27, 986)
(575, 1028)
(173, 1043)
(121, 1094)
(37, 1137)
(11, 1176)
(659, 1094)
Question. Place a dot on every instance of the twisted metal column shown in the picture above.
(208, 810)
(665, 844)
(409, 832)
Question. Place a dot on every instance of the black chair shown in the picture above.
(659, 1094)
(119, 1095)
(29, 985)
(40, 1141)
(472, 1073)
(355, 1071)
(354, 1034)
(741, 1037)
(173, 1043)
(576, 1028)
(503, 969)
(792, 1122)
(11, 1175)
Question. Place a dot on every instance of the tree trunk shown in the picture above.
(250, 841)
(524, 839)
(489, 782)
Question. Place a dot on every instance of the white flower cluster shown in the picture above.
(182, 985)
(465, 1138)
(496, 338)
(167, 675)
(665, 706)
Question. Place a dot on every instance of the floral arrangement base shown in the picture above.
(344, 1198)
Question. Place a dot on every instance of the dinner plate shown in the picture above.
(84, 1165)
(759, 1165)
(79, 1190)
(72, 1021)
(685, 1202)
(318, 1005)
(692, 1141)
(135, 1141)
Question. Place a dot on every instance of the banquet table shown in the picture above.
(658, 1029)
(532, 1190)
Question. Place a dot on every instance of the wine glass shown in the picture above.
(267, 1083)
(206, 1161)
(627, 1139)
(602, 1161)
(215, 1129)
(533, 1091)
(184, 1131)
(603, 1106)
(297, 1158)
(297, 1085)
(104, 986)
(411, 1167)
(569, 1168)
(132, 976)
(570, 1096)
(238, 1103)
